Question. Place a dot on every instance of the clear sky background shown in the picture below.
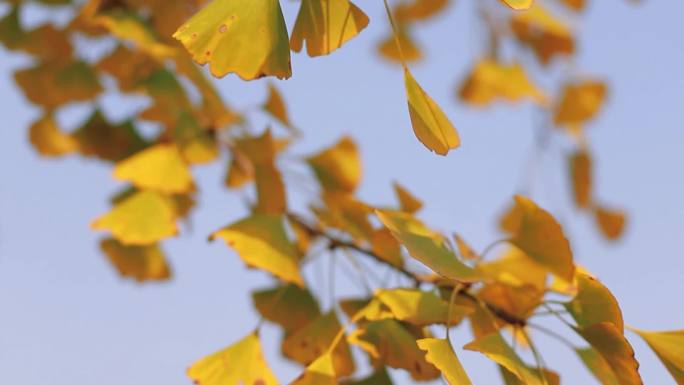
(67, 318)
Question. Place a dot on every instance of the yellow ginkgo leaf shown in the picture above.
(320, 372)
(490, 81)
(580, 103)
(551, 378)
(465, 250)
(518, 301)
(410, 52)
(143, 218)
(421, 308)
(611, 222)
(338, 168)
(581, 175)
(159, 168)
(514, 268)
(246, 37)
(49, 140)
(539, 236)
(261, 242)
(326, 25)
(440, 353)
(418, 10)
(387, 247)
(519, 4)
(307, 343)
(546, 35)
(289, 306)
(275, 105)
(496, 349)
(240, 363)
(344, 212)
(669, 347)
(142, 263)
(407, 201)
(426, 246)
(430, 124)
(594, 303)
(379, 377)
(389, 342)
(612, 345)
(598, 366)
(127, 25)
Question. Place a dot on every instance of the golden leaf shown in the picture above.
(440, 353)
(142, 263)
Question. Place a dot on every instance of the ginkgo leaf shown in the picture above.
(611, 344)
(159, 168)
(307, 344)
(418, 10)
(518, 301)
(387, 247)
(389, 342)
(142, 218)
(142, 263)
(407, 201)
(440, 353)
(338, 168)
(581, 176)
(490, 81)
(598, 366)
(240, 363)
(539, 236)
(465, 250)
(611, 222)
(289, 306)
(128, 66)
(127, 25)
(320, 372)
(344, 212)
(495, 348)
(516, 269)
(421, 308)
(246, 37)
(275, 105)
(594, 303)
(519, 4)
(102, 139)
(197, 145)
(410, 52)
(261, 241)
(669, 347)
(430, 124)
(580, 102)
(547, 35)
(49, 140)
(326, 25)
(426, 246)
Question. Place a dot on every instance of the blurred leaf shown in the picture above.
(159, 168)
(669, 347)
(441, 354)
(142, 263)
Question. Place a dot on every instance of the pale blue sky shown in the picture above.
(67, 318)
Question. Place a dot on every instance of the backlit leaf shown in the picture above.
(159, 168)
(238, 364)
(430, 124)
(338, 168)
(491, 81)
(669, 347)
(579, 103)
(388, 48)
(275, 105)
(420, 308)
(440, 353)
(246, 37)
(611, 222)
(426, 246)
(326, 25)
(418, 10)
(308, 343)
(519, 4)
(379, 377)
(49, 140)
(594, 303)
(495, 348)
(540, 237)
(598, 366)
(261, 242)
(546, 35)
(142, 218)
(609, 342)
(320, 372)
(407, 201)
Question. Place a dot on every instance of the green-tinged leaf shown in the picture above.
(289, 306)
(598, 366)
(262, 243)
(338, 168)
(426, 246)
(379, 377)
(142, 263)
(421, 308)
(320, 372)
(440, 353)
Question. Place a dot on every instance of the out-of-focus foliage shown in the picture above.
(437, 284)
